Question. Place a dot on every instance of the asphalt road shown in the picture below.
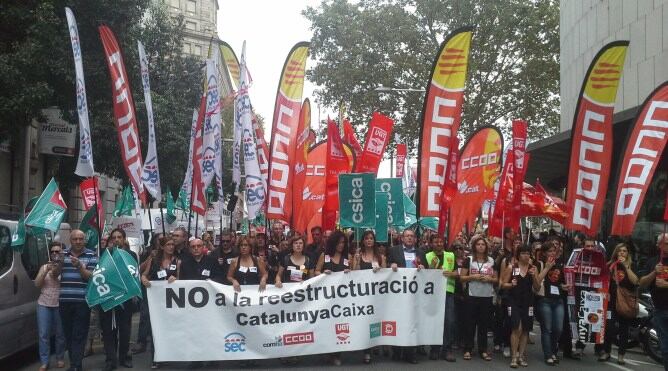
(635, 360)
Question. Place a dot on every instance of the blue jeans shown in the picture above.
(48, 323)
(75, 317)
(552, 322)
(661, 324)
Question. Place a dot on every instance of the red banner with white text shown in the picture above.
(262, 150)
(301, 157)
(449, 187)
(350, 138)
(377, 138)
(313, 193)
(90, 194)
(338, 162)
(402, 152)
(477, 170)
(441, 116)
(284, 134)
(646, 144)
(198, 188)
(519, 170)
(125, 117)
(591, 141)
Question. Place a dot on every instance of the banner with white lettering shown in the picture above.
(441, 116)
(338, 312)
(150, 172)
(395, 205)
(357, 200)
(591, 139)
(647, 141)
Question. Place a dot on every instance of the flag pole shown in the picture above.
(162, 217)
(97, 210)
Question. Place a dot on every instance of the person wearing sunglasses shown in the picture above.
(48, 314)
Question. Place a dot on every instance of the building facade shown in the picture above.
(585, 27)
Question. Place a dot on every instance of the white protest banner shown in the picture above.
(338, 312)
(131, 226)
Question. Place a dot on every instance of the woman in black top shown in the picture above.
(295, 267)
(368, 256)
(519, 280)
(164, 266)
(335, 259)
(622, 275)
(550, 286)
(247, 269)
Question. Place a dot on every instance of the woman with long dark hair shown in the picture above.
(296, 266)
(247, 269)
(478, 272)
(549, 287)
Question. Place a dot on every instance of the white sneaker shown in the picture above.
(506, 352)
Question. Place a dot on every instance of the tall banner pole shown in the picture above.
(162, 218)
(97, 211)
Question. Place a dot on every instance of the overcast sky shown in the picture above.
(271, 28)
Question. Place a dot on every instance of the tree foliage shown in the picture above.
(513, 73)
(37, 71)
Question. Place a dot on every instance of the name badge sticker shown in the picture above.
(172, 267)
(253, 269)
(243, 269)
(206, 272)
(554, 290)
(162, 273)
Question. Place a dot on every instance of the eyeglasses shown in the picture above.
(55, 251)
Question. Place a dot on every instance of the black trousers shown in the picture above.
(479, 311)
(116, 333)
(75, 318)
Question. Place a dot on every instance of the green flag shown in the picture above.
(171, 217)
(30, 206)
(382, 216)
(19, 235)
(106, 282)
(182, 201)
(125, 204)
(49, 210)
(259, 220)
(395, 204)
(357, 200)
(89, 226)
(129, 273)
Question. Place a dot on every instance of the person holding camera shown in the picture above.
(48, 314)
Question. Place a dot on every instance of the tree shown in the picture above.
(513, 72)
(37, 71)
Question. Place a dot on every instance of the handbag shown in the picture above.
(627, 303)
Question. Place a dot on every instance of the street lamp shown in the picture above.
(381, 88)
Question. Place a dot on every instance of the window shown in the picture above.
(6, 253)
(191, 6)
(198, 50)
(186, 48)
(191, 26)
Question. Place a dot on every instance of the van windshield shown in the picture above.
(6, 254)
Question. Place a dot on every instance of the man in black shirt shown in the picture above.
(197, 266)
(224, 255)
(314, 249)
(180, 237)
(656, 278)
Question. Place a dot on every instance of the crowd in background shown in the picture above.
(499, 286)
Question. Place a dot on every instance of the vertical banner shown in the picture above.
(231, 62)
(477, 170)
(394, 204)
(382, 216)
(150, 172)
(85, 161)
(591, 141)
(284, 133)
(90, 194)
(357, 200)
(255, 188)
(313, 193)
(377, 138)
(401, 159)
(441, 116)
(337, 163)
(211, 142)
(262, 150)
(197, 189)
(646, 143)
(187, 180)
(124, 111)
(449, 186)
(301, 153)
(349, 137)
(519, 149)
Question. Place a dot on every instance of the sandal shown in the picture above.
(485, 356)
(513, 363)
(467, 356)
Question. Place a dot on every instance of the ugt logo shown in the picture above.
(342, 333)
(235, 342)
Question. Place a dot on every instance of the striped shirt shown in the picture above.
(72, 285)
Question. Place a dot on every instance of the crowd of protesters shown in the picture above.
(498, 286)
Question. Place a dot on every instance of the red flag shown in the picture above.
(477, 171)
(449, 186)
(198, 192)
(401, 159)
(349, 137)
(125, 117)
(284, 134)
(301, 152)
(496, 220)
(337, 163)
(591, 142)
(262, 150)
(377, 138)
(90, 194)
(647, 141)
(519, 169)
(313, 193)
(552, 207)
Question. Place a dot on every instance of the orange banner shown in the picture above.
(313, 193)
(231, 62)
(301, 158)
(591, 141)
(477, 170)
(284, 134)
(441, 116)
(646, 143)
